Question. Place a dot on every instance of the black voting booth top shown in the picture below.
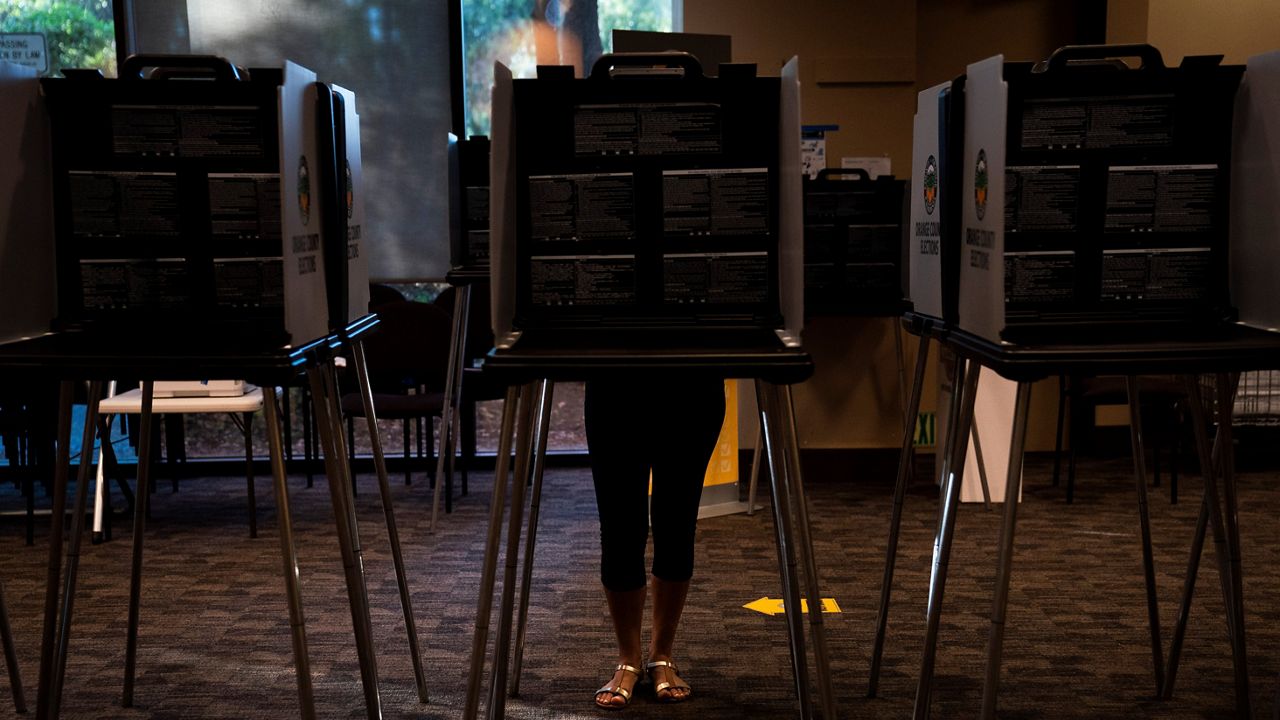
(1227, 347)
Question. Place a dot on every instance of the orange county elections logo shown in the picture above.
(930, 184)
(304, 190)
(980, 184)
(350, 190)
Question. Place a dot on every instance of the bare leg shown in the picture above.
(626, 608)
(668, 604)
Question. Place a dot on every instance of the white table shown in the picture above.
(240, 406)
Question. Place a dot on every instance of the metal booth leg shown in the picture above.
(1000, 601)
(542, 425)
(330, 434)
(982, 468)
(895, 521)
(480, 639)
(908, 415)
(506, 612)
(388, 512)
(53, 578)
(11, 657)
(817, 631)
(1189, 582)
(59, 665)
(1226, 400)
(452, 398)
(769, 418)
(139, 530)
(245, 423)
(289, 555)
(1235, 628)
(1144, 518)
(756, 462)
(960, 417)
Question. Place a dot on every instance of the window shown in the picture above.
(50, 35)
(523, 34)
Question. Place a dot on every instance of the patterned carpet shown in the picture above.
(215, 639)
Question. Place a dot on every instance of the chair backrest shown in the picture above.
(479, 329)
(380, 295)
(410, 348)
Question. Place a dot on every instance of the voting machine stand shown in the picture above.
(654, 230)
(204, 229)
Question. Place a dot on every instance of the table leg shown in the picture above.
(53, 578)
(773, 443)
(289, 556)
(955, 452)
(480, 639)
(895, 521)
(506, 612)
(541, 428)
(139, 530)
(817, 631)
(330, 433)
(1000, 601)
(73, 548)
(1144, 519)
(1057, 436)
(393, 533)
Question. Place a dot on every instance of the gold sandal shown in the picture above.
(617, 690)
(658, 687)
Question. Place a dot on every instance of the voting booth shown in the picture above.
(1255, 188)
(224, 203)
(1095, 194)
(933, 246)
(653, 201)
(469, 202)
(26, 247)
(853, 243)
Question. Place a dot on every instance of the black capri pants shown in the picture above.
(670, 425)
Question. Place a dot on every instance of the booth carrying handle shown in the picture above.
(169, 66)
(857, 173)
(1148, 54)
(624, 64)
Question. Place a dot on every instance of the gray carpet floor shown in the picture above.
(215, 635)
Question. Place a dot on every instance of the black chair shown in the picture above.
(408, 356)
(1162, 402)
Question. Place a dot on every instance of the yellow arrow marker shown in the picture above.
(769, 606)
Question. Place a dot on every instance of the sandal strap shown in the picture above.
(661, 663)
(615, 690)
(678, 683)
(628, 668)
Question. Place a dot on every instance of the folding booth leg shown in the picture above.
(817, 631)
(982, 468)
(960, 416)
(1189, 584)
(1057, 436)
(1226, 577)
(1226, 400)
(1144, 519)
(139, 530)
(756, 461)
(895, 521)
(908, 414)
(388, 512)
(53, 578)
(452, 398)
(769, 417)
(1000, 601)
(11, 657)
(506, 612)
(480, 639)
(289, 556)
(542, 425)
(73, 550)
(330, 432)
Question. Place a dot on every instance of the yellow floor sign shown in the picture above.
(770, 606)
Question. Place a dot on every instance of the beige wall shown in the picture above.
(1236, 29)
(861, 64)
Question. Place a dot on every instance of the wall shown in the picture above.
(861, 64)
(1236, 29)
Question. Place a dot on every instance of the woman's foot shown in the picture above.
(616, 694)
(668, 687)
